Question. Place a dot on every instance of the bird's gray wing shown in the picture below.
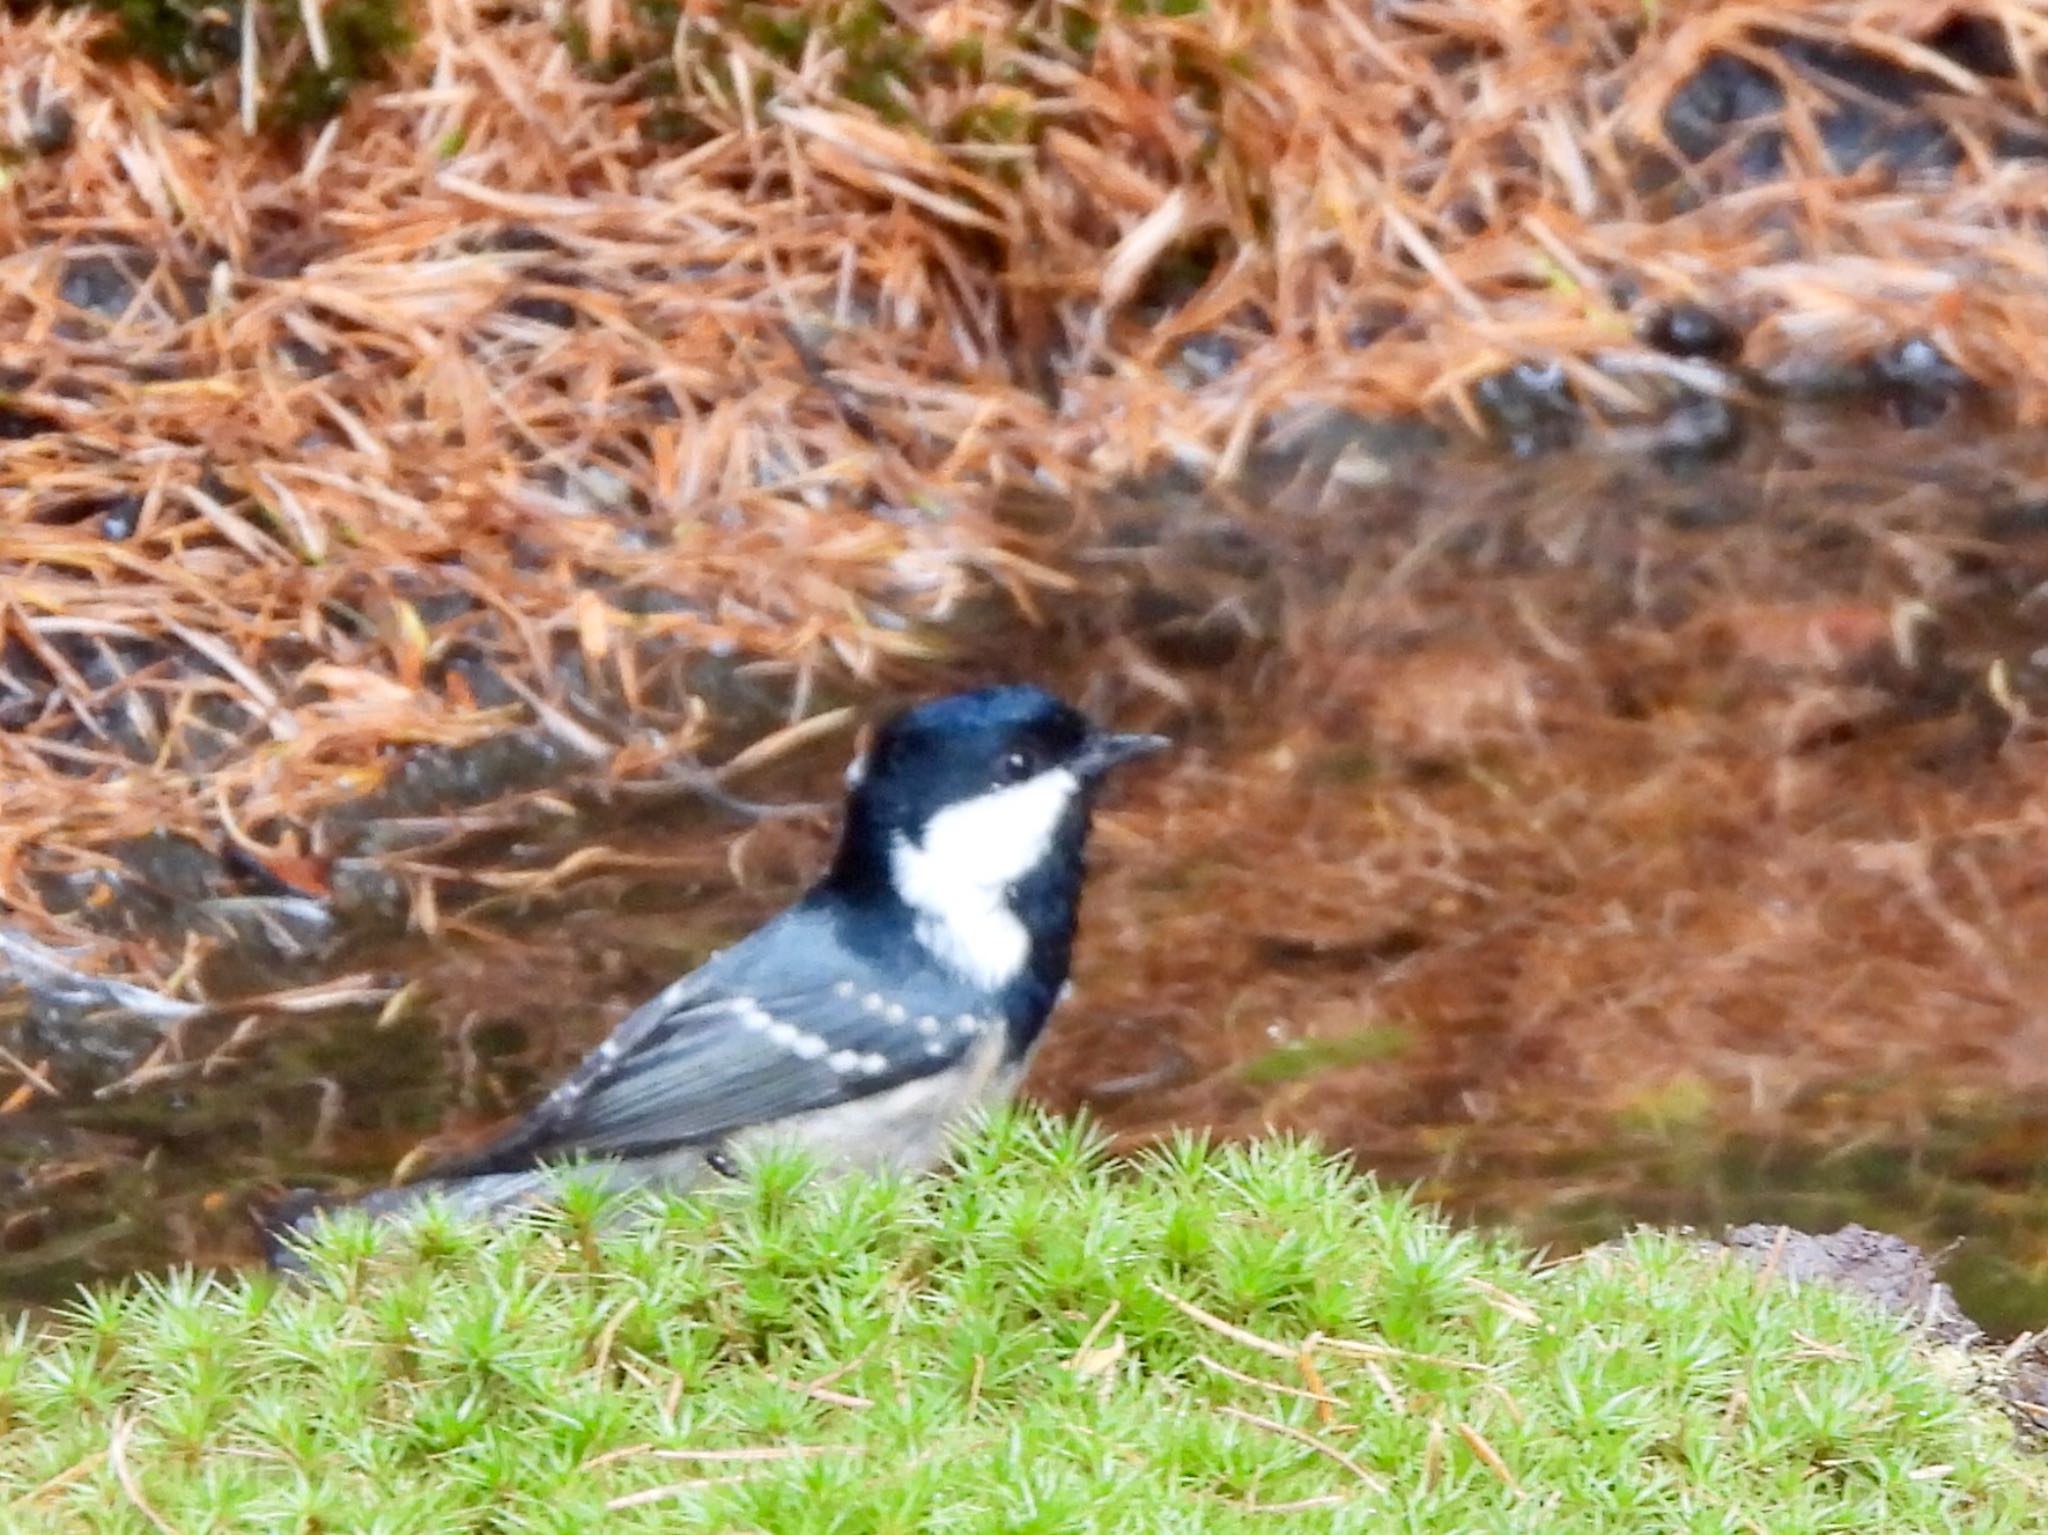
(725, 1048)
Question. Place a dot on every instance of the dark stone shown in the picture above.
(1383, 946)
(1206, 357)
(438, 606)
(175, 867)
(365, 895)
(1700, 430)
(1714, 108)
(441, 780)
(485, 681)
(1708, 514)
(1978, 43)
(523, 239)
(1918, 365)
(120, 518)
(51, 129)
(1692, 330)
(1529, 407)
(1886, 1269)
(2026, 517)
(1727, 117)
(17, 423)
(284, 243)
(1378, 320)
(104, 282)
(305, 359)
(2025, 1389)
(543, 310)
(85, 1039)
(1918, 381)
(270, 932)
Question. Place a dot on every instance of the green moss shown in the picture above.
(881, 57)
(1304, 1058)
(883, 61)
(194, 40)
(1036, 1341)
(362, 35)
(994, 122)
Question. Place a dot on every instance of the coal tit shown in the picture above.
(910, 985)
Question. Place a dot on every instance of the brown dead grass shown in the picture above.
(1595, 820)
(363, 428)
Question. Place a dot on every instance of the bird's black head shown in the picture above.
(971, 814)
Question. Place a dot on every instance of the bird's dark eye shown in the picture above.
(1016, 766)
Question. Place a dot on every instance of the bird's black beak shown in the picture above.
(1104, 750)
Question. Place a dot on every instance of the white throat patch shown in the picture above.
(958, 878)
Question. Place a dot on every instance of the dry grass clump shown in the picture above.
(601, 339)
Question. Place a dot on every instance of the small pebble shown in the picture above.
(1692, 330)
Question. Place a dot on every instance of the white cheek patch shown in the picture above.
(957, 878)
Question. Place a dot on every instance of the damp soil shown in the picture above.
(1588, 838)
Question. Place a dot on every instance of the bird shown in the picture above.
(909, 986)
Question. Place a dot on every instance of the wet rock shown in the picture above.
(480, 674)
(594, 490)
(120, 518)
(283, 242)
(542, 309)
(522, 239)
(2025, 1386)
(437, 605)
(175, 868)
(1692, 330)
(1886, 1269)
(1727, 120)
(1729, 102)
(439, 781)
(105, 281)
(85, 1026)
(1919, 381)
(273, 932)
(18, 423)
(305, 359)
(51, 127)
(115, 280)
(1708, 513)
(1319, 448)
(2022, 516)
(1529, 407)
(1202, 359)
(170, 887)
(366, 896)
(1816, 378)
(1376, 321)
(1698, 431)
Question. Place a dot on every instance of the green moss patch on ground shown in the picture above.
(1243, 1339)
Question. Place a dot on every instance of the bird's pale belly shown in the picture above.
(906, 1128)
